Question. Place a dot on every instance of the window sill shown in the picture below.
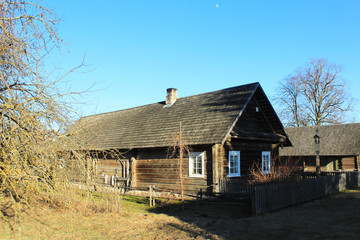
(238, 175)
(196, 176)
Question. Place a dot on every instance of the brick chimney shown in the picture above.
(171, 96)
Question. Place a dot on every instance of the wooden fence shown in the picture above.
(235, 187)
(279, 195)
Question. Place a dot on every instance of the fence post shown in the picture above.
(150, 195)
(133, 172)
(154, 196)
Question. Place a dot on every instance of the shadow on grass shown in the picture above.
(205, 216)
(341, 211)
(215, 209)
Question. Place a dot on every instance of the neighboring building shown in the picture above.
(227, 131)
(339, 146)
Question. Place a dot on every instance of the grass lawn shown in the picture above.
(334, 217)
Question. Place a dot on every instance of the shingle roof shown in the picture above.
(205, 119)
(336, 140)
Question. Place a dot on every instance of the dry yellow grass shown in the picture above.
(48, 223)
(334, 217)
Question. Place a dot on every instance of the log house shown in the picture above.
(227, 131)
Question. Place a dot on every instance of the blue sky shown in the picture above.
(136, 49)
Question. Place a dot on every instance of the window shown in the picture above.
(234, 163)
(196, 164)
(265, 163)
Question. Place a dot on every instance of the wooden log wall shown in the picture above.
(217, 163)
(250, 152)
(349, 163)
(154, 167)
(253, 119)
(329, 163)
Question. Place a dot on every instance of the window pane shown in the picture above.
(234, 163)
(199, 164)
(196, 163)
(266, 161)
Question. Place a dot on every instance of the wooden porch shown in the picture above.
(115, 173)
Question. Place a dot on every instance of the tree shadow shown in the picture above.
(204, 216)
(232, 220)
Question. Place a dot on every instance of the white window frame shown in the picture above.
(232, 153)
(266, 162)
(192, 157)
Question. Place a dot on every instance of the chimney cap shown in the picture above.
(171, 89)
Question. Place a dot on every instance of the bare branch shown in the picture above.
(34, 115)
(315, 94)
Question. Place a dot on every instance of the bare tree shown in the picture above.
(34, 115)
(291, 102)
(179, 150)
(314, 95)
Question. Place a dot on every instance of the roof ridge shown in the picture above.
(322, 126)
(196, 95)
(199, 94)
(125, 109)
